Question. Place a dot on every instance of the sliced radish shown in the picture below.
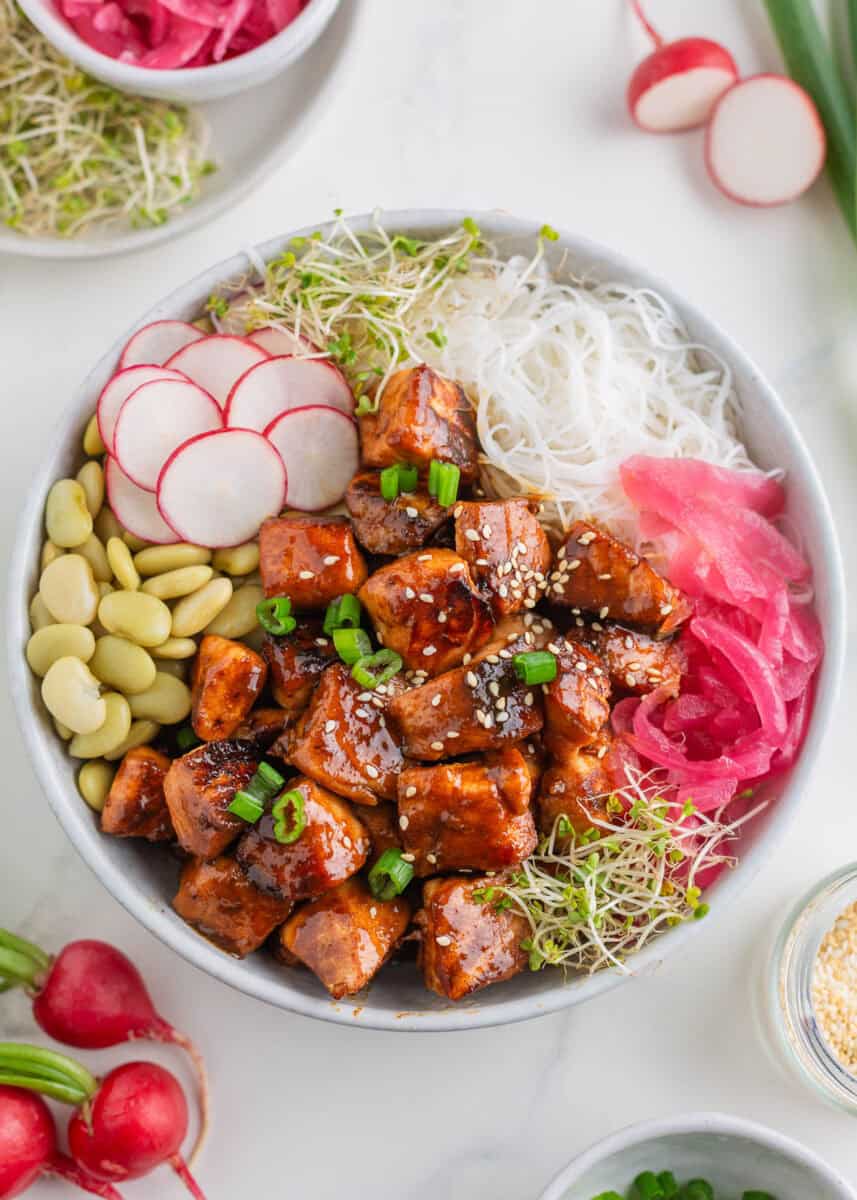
(765, 143)
(279, 341)
(157, 342)
(117, 390)
(155, 420)
(320, 449)
(218, 488)
(280, 384)
(679, 83)
(217, 361)
(134, 509)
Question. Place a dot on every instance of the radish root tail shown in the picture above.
(646, 23)
(181, 1169)
(65, 1168)
(173, 1036)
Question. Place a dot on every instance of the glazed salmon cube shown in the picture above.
(135, 805)
(636, 663)
(421, 416)
(382, 825)
(263, 726)
(576, 785)
(391, 526)
(343, 740)
(221, 903)
(200, 786)
(596, 573)
(312, 560)
(331, 848)
(482, 705)
(468, 814)
(228, 678)
(346, 936)
(426, 607)
(467, 943)
(296, 662)
(577, 701)
(507, 550)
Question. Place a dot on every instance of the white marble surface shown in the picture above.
(488, 103)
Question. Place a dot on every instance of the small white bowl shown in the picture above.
(192, 84)
(732, 1154)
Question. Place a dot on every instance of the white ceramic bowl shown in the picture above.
(143, 879)
(732, 1154)
(193, 84)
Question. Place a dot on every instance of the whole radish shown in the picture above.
(92, 996)
(126, 1125)
(28, 1148)
(678, 84)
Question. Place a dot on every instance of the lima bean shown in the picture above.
(69, 590)
(58, 641)
(167, 701)
(180, 582)
(155, 560)
(140, 734)
(122, 664)
(95, 554)
(49, 553)
(92, 443)
(110, 734)
(67, 518)
(91, 479)
(175, 648)
(39, 615)
(194, 612)
(133, 615)
(238, 618)
(106, 525)
(93, 782)
(237, 560)
(72, 695)
(122, 564)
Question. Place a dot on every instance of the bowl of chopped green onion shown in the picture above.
(701, 1156)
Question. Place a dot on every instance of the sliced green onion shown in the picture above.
(433, 477)
(274, 615)
(390, 875)
(289, 816)
(375, 669)
(186, 739)
(390, 482)
(647, 1187)
(249, 802)
(448, 479)
(351, 644)
(408, 478)
(247, 807)
(342, 612)
(535, 666)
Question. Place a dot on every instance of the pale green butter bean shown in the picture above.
(39, 615)
(122, 664)
(95, 554)
(238, 618)
(69, 590)
(237, 560)
(140, 734)
(72, 695)
(133, 542)
(122, 564)
(59, 641)
(177, 667)
(143, 619)
(94, 780)
(106, 525)
(193, 613)
(110, 734)
(175, 648)
(92, 443)
(167, 701)
(91, 479)
(180, 582)
(49, 553)
(67, 518)
(155, 560)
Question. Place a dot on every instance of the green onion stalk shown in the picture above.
(594, 899)
(76, 154)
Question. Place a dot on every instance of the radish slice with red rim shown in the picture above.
(134, 509)
(156, 419)
(117, 390)
(284, 383)
(320, 449)
(155, 343)
(765, 143)
(218, 488)
(279, 341)
(217, 361)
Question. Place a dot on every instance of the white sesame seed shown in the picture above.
(528, 699)
(602, 750)
(427, 597)
(457, 511)
(373, 912)
(586, 538)
(409, 593)
(403, 822)
(346, 841)
(573, 564)
(666, 609)
(603, 612)
(502, 716)
(634, 666)
(408, 858)
(437, 745)
(428, 651)
(482, 562)
(553, 647)
(505, 653)
(560, 553)
(466, 659)
(457, 568)
(470, 679)
(443, 940)
(492, 658)
(365, 696)
(486, 531)
(441, 616)
(580, 665)
(371, 771)
(501, 703)
(361, 712)
(435, 700)
(410, 791)
(521, 547)
(451, 733)
(411, 511)
(329, 726)
(494, 688)
(321, 641)
(431, 858)
(423, 558)
(472, 535)
(330, 559)
(502, 591)
(306, 574)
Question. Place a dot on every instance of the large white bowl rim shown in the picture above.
(397, 999)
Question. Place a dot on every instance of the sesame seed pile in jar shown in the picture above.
(834, 989)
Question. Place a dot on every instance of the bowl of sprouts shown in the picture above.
(700, 1156)
(378, 635)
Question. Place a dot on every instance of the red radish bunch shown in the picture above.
(187, 423)
(765, 143)
(28, 1148)
(124, 1126)
(91, 996)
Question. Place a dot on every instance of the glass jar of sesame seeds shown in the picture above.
(809, 996)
